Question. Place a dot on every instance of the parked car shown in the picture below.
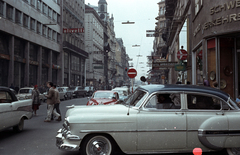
(78, 91)
(104, 97)
(68, 94)
(90, 90)
(155, 119)
(13, 112)
(61, 93)
(123, 93)
(26, 93)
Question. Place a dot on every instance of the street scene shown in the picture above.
(115, 77)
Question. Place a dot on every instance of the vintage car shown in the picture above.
(13, 112)
(104, 97)
(26, 93)
(90, 90)
(68, 94)
(123, 92)
(78, 91)
(155, 119)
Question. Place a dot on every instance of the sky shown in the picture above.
(143, 13)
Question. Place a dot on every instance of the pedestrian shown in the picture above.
(56, 105)
(51, 100)
(35, 99)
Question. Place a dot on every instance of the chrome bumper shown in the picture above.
(62, 143)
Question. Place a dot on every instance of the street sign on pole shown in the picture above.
(182, 54)
(132, 73)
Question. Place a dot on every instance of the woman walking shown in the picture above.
(35, 99)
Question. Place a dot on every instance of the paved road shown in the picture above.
(38, 137)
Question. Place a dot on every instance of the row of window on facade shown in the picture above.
(79, 10)
(40, 28)
(77, 63)
(71, 20)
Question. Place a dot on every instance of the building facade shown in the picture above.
(30, 42)
(94, 40)
(216, 44)
(74, 44)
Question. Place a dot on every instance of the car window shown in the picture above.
(137, 98)
(23, 91)
(5, 97)
(205, 102)
(164, 101)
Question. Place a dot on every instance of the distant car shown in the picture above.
(61, 93)
(78, 91)
(123, 92)
(101, 97)
(68, 94)
(156, 119)
(90, 90)
(26, 93)
(13, 112)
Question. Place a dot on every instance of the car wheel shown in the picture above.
(19, 127)
(233, 151)
(97, 144)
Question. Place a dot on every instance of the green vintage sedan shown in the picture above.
(155, 119)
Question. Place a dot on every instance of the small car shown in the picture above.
(155, 119)
(123, 92)
(68, 94)
(103, 97)
(26, 93)
(90, 90)
(78, 91)
(13, 112)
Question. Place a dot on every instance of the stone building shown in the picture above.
(30, 42)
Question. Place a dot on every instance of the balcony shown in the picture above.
(72, 48)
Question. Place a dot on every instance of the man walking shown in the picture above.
(51, 100)
(56, 105)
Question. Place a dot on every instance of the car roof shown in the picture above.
(185, 88)
(3, 88)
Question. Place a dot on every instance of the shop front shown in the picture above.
(216, 45)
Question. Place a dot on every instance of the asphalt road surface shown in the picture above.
(38, 137)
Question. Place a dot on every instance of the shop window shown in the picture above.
(54, 58)
(44, 75)
(65, 79)
(18, 16)
(199, 66)
(54, 76)
(32, 26)
(33, 52)
(211, 61)
(38, 27)
(25, 20)
(19, 47)
(9, 12)
(33, 74)
(4, 44)
(1, 7)
(45, 53)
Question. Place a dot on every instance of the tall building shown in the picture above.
(30, 42)
(94, 40)
(73, 43)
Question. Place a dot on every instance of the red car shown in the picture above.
(104, 97)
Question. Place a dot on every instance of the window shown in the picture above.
(1, 7)
(33, 2)
(54, 58)
(54, 16)
(44, 10)
(54, 36)
(25, 20)
(58, 37)
(18, 16)
(5, 97)
(39, 4)
(58, 18)
(33, 52)
(38, 27)
(49, 12)
(44, 30)
(205, 102)
(49, 33)
(32, 24)
(9, 12)
(65, 60)
(45, 55)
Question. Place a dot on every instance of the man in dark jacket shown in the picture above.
(51, 100)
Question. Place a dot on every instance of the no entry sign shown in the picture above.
(182, 54)
(132, 73)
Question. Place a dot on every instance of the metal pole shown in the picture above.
(132, 85)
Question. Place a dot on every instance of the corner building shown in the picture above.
(216, 44)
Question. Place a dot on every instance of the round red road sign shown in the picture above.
(182, 54)
(132, 73)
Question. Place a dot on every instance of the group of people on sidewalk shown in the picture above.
(53, 101)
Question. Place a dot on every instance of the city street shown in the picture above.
(38, 137)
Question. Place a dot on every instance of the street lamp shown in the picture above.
(128, 22)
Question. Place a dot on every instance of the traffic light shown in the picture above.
(126, 69)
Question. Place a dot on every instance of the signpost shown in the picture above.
(132, 73)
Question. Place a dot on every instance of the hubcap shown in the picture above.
(235, 151)
(99, 145)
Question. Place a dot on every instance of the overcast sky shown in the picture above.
(143, 13)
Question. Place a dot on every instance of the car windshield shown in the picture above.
(24, 91)
(234, 104)
(136, 98)
(103, 95)
(121, 92)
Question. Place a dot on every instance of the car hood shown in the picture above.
(99, 101)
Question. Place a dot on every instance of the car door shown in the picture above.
(206, 121)
(6, 112)
(161, 129)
